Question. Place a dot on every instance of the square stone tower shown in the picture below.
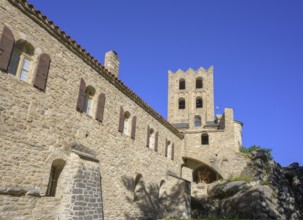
(190, 98)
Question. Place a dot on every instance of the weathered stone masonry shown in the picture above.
(39, 127)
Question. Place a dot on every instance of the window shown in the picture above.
(21, 60)
(199, 102)
(181, 103)
(126, 129)
(199, 83)
(204, 139)
(197, 121)
(169, 149)
(152, 139)
(182, 84)
(127, 124)
(56, 169)
(88, 98)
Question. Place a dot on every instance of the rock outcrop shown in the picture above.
(265, 190)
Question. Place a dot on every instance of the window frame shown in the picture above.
(126, 123)
(203, 140)
(180, 106)
(182, 84)
(22, 55)
(88, 98)
(197, 119)
(198, 84)
(198, 104)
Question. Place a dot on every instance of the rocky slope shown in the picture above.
(265, 190)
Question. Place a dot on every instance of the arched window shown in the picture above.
(21, 60)
(152, 139)
(182, 84)
(181, 103)
(126, 123)
(199, 83)
(169, 149)
(197, 121)
(199, 102)
(56, 169)
(204, 139)
(89, 94)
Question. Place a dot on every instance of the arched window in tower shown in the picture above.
(199, 102)
(56, 169)
(181, 103)
(197, 121)
(21, 60)
(88, 98)
(204, 139)
(182, 84)
(126, 127)
(199, 83)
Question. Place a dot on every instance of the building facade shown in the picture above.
(76, 143)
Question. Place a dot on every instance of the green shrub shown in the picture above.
(247, 151)
(240, 178)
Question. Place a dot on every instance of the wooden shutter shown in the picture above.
(173, 151)
(156, 141)
(166, 145)
(81, 96)
(134, 122)
(7, 41)
(100, 107)
(121, 120)
(148, 134)
(42, 71)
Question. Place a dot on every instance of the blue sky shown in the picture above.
(255, 46)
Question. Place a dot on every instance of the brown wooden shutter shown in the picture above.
(156, 141)
(81, 95)
(7, 41)
(100, 107)
(121, 120)
(166, 145)
(134, 122)
(173, 151)
(42, 71)
(148, 134)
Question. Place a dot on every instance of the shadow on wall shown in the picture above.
(154, 201)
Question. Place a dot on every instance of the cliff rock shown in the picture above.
(265, 190)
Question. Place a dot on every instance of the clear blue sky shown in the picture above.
(255, 46)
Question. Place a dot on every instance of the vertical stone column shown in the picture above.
(112, 63)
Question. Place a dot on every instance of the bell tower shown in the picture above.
(190, 98)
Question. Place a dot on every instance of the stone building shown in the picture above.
(77, 143)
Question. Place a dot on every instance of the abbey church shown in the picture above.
(77, 143)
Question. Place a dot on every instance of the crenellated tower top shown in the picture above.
(190, 97)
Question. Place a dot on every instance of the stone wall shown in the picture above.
(40, 127)
(190, 93)
(222, 153)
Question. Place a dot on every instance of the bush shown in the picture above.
(247, 151)
(240, 178)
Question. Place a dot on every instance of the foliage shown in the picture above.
(240, 178)
(248, 151)
(265, 182)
